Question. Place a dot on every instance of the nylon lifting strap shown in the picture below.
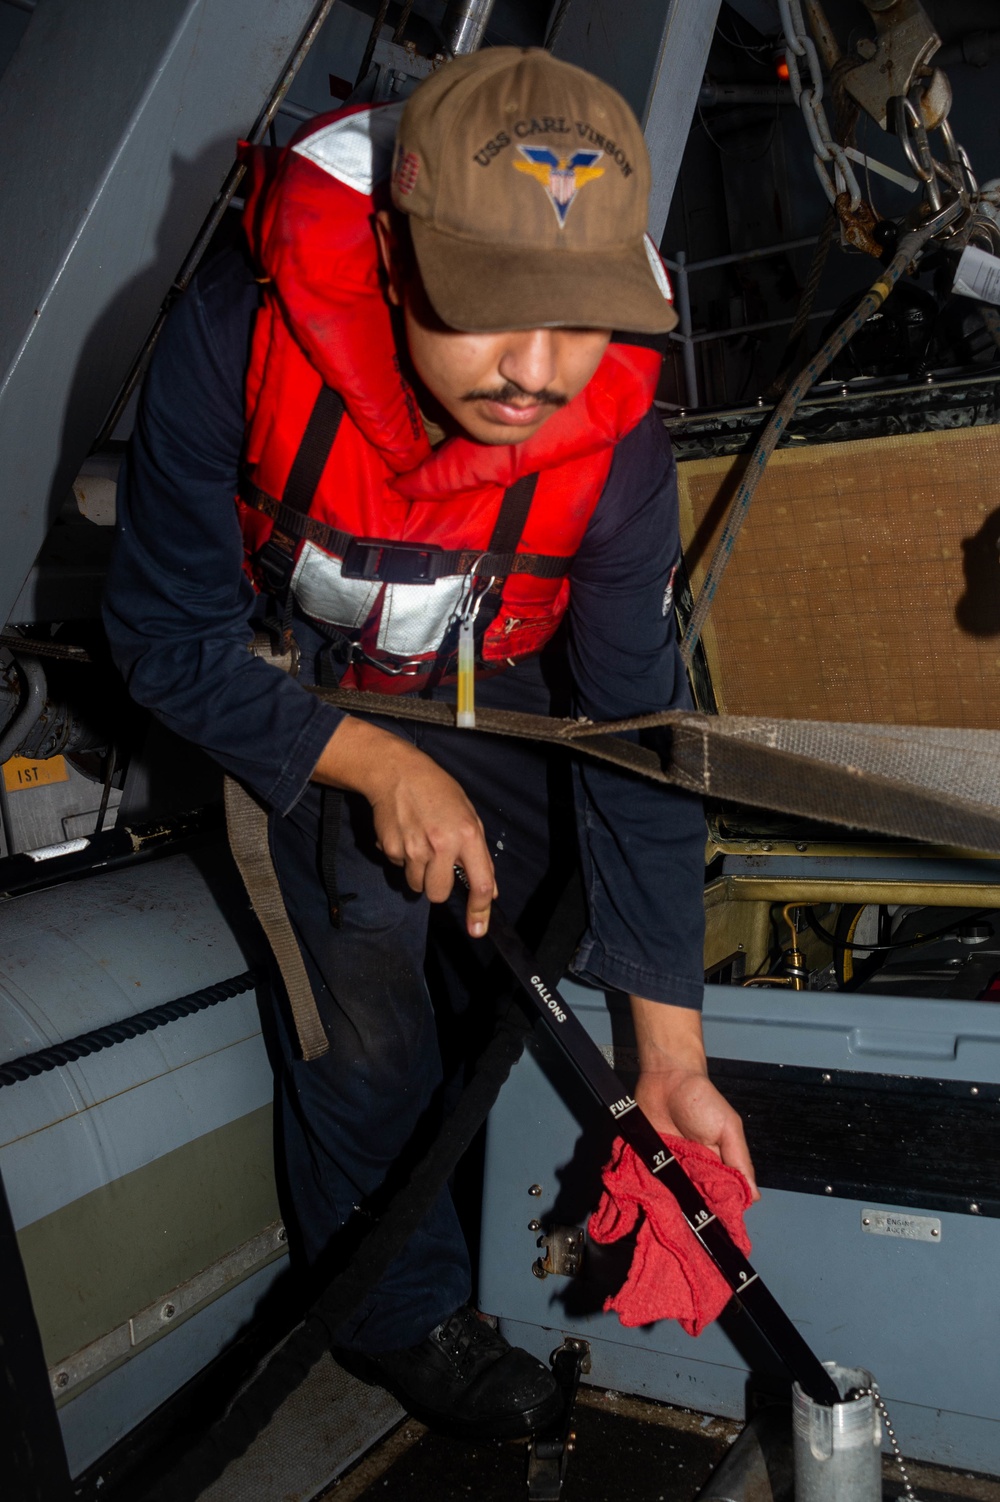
(913, 783)
(246, 821)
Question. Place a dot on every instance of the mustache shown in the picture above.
(510, 392)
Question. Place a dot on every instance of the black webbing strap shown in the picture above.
(391, 562)
(277, 557)
(314, 450)
(513, 515)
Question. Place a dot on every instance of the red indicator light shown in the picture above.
(781, 68)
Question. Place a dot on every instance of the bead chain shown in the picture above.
(873, 1392)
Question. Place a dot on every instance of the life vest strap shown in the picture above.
(401, 562)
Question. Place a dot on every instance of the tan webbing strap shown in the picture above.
(910, 782)
(246, 821)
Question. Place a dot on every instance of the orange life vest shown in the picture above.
(383, 539)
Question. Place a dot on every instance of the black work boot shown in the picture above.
(466, 1377)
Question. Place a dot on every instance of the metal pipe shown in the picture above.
(743, 255)
(684, 329)
(464, 25)
(711, 94)
(750, 328)
(838, 1451)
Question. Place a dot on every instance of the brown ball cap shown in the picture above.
(526, 183)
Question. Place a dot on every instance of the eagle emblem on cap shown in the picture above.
(562, 177)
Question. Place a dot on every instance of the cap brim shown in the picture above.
(485, 288)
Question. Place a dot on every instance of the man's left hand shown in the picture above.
(674, 1090)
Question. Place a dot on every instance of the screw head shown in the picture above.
(828, 1189)
(935, 1231)
(535, 1189)
(168, 1311)
(866, 1220)
(282, 1234)
(534, 1225)
(60, 1380)
(974, 1090)
(538, 1268)
(827, 1078)
(974, 1208)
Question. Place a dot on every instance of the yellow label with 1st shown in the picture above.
(22, 772)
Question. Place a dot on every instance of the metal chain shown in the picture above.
(873, 1392)
(941, 181)
(809, 98)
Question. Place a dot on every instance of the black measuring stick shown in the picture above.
(638, 1131)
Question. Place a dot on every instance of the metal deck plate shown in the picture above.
(324, 1426)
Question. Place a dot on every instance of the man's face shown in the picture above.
(500, 387)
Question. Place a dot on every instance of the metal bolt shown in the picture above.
(865, 48)
(535, 1189)
(60, 1380)
(538, 1268)
(168, 1311)
(935, 1231)
(282, 1234)
(767, 847)
(827, 1078)
(802, 846)
(866, 1220)
(975, 1209)
(828, 1189)
(534, 1225)
(974, 1090)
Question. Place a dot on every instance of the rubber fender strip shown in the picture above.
(55, 1057)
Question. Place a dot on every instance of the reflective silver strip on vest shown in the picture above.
(322, 591)
(414, 617)
(356, 150)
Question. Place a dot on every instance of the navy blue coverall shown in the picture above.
(177, 612)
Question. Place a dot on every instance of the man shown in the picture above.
(415, 394)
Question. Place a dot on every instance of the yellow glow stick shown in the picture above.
(466, 718)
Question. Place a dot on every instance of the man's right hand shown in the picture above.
(423, 820)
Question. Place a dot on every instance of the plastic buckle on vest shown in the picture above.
(390, 562)
(275, 566)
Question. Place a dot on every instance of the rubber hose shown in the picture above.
(25, 717)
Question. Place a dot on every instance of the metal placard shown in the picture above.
(906, 1227)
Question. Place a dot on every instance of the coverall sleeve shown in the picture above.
(642, 845)
(178, 605)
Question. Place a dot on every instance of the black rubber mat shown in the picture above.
(617, 1459)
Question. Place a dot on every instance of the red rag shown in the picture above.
(672, 1276)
